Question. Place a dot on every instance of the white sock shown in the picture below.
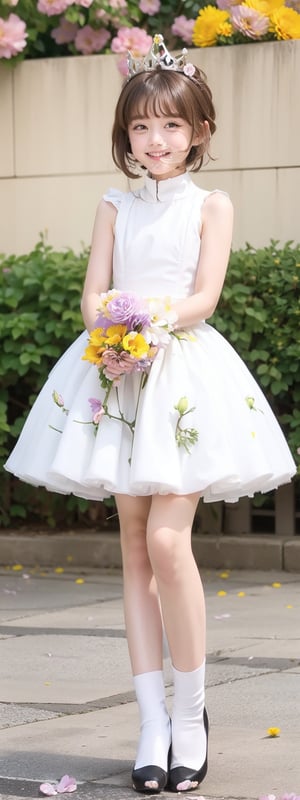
(155, 735)
(188, 733)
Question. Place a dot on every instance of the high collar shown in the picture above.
(163, 191)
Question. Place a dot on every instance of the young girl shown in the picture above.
(169, 239)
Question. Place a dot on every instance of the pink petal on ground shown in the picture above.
(66, 784)
(48, 789)
(267, 797)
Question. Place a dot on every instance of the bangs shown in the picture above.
(156, 97)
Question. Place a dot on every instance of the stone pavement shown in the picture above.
(66, 699)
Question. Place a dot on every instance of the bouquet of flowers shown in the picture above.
(128, 335)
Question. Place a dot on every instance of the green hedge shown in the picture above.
(39, 317)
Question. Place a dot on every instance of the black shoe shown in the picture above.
(180, 774)
(151, 773)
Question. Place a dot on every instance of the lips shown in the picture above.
(160, 154)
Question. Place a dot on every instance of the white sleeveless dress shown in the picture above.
(240, 448)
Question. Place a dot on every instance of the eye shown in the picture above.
(138, 126)
(172, 125)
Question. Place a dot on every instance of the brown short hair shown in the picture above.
(165, 92)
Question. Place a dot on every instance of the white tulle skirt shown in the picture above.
(240, 449)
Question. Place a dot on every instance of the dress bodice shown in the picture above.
(157, 237)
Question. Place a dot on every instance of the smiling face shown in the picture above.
(163, 122)
(161, 144)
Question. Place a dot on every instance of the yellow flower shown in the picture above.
(96, 337)
(211, 23)
(114, 334)
(273, 732)
(265, 7)
(225, 29)
(285, 23)
(95, 347)
(136, 345)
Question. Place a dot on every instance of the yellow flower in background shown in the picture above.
(135, 344)
(211, 23)
(265, 7)
(285, 23)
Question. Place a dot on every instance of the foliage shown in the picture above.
(259, 313)
(48, 28)
(39, 317)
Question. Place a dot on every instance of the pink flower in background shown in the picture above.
(123, 66)
(101, 14)
(52, 7)
(226, 5)
(134, 39)
(12, 36)
(85, 3)
(12, 2)
(249, 21)
(150, 7)
(118, 4)
(183, 28)
(88, 40)
(65, 32)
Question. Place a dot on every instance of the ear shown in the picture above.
(204, 134)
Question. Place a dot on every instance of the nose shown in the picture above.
(156, 135)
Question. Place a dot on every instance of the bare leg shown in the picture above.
(183, 608)
(141, 603)
(144, 634)
(179, 583)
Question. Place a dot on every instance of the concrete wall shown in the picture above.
(55, 163)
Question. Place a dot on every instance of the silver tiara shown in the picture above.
(159, 56)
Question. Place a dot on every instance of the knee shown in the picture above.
(165, 554)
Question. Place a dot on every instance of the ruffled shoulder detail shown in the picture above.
(114, 196)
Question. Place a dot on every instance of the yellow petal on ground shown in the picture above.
(273, 732)
(224, 575)
(79, 580)
(69, 558)
(222, 593)
(17, 567)
(276, 585)
(241, 594)
(59, 570)
(47, 683)
(289, 606)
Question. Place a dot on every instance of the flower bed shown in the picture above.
(48, 28)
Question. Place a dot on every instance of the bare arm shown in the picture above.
(216, 235)
(99, 270)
